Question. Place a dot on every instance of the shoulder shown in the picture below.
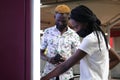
(48, 30)
(71, 30)
(89, 41)
(91, 37)
(73, 33)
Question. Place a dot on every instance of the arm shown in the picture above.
(44, 44)
(42, 51)
(43, 56)
(65, 65)
(114, 58)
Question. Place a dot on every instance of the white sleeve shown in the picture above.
(88, 45)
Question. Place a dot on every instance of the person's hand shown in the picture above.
(52, 61)
(62, 59)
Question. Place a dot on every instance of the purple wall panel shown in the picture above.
(14, 40)
(28, 39)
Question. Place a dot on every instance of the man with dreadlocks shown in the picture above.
(93, 52)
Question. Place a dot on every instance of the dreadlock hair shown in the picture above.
(84, 15)
(97, 28)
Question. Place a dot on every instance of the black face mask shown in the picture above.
(84, 32)
(61, 27)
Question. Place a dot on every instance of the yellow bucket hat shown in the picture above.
(62, 9)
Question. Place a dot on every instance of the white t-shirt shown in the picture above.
(95, 65)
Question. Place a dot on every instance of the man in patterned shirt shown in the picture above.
(59, 39)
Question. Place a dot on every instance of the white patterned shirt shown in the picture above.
(64, 44)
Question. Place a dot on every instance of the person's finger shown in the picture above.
(63, 58)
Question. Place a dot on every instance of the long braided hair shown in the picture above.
(83, 14)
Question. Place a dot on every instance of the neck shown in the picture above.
(63, 30)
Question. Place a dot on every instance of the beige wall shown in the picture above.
(117, 43)
(104, 9)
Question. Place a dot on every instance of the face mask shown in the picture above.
(61, 27)
(84, 32)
